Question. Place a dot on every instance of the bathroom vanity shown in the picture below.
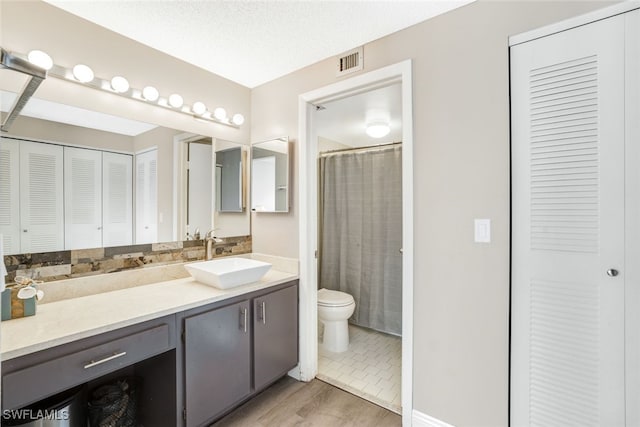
(200, 351)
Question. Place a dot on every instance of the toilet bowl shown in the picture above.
(334, 308)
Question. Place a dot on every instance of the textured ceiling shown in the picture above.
(253, 42)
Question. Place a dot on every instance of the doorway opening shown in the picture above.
(360, 243)
(311, 103)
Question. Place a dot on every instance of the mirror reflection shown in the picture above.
(229, 179)
(74, 178)
(270, 176)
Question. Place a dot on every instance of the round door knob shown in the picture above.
(24, 231)
(612, 272)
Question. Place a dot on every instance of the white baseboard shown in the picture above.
(423, 420)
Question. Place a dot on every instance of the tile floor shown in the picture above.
(370, 368)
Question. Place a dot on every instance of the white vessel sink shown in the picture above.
(227, 273)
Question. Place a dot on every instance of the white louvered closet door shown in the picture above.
(9, 195)
(568, 343)
(632, 217)
(117, 199)
(41, 197)
(82, 198)
(147, 197)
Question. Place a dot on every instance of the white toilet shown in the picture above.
(334, 308)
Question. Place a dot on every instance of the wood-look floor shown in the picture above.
(292, 403)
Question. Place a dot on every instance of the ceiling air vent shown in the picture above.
(350, 61)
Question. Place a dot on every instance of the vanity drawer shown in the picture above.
(33, 383)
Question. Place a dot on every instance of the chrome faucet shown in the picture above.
(210, 239)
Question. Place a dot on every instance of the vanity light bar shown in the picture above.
(147, 95)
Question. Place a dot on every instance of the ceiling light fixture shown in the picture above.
(199, 108)
(150, 93)
(378, 129)
(83, 73)
(119, 84)
(40, 59)
(175, 100)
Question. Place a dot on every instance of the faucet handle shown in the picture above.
(209, 234)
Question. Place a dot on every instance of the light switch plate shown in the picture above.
(482, 230)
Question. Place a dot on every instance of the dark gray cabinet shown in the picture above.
(229, 351)
(217, 361)
(145, 350)
(233, 351)
(275, 335)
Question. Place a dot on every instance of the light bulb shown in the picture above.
(199, 108)
(220, 113)
(83, 73)
(238, 119)
(150, 93)
(176, 100)
(378, 130)
(41, 59)
(119, 84)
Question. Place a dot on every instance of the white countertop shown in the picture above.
(72, 319)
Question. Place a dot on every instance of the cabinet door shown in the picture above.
(147, 197)
(41, 197)
(567, 343)
(217, 361)
(117, 199)
(9, 195)
(275, 335)
(82, 198)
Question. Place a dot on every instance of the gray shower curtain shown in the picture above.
(361, 233)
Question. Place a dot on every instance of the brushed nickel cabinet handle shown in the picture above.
(93, 363)
(243, 319)
(612, 272)
(264, 313)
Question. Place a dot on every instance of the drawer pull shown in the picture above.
(106, 359)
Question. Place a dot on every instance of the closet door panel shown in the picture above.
(147, 197)
(9, 195)
(568, 227)
(41, 197)
(632, 216)
(82, 198)
(117, 199)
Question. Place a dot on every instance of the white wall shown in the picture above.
(461, 154)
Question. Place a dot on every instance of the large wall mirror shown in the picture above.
(115, 181)
(270, 176)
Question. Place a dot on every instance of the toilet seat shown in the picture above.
(329, 298)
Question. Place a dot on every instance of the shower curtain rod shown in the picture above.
(368, 147)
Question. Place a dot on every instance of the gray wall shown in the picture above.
(45, 130)
(461, 172)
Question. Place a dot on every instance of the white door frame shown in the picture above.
(308, 193)
(180, 144)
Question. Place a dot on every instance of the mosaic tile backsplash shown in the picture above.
(50, 266)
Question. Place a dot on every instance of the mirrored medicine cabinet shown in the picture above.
(270, 176)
